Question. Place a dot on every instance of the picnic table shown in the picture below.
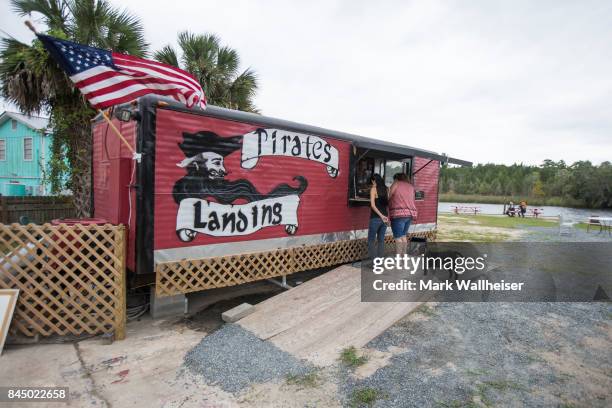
(464, 209)
(603, 222)
(535, 212)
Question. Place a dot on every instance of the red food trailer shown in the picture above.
(223, 197)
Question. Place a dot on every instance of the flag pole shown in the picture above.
(112, 125)
(29, 24)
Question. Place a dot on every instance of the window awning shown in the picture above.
(398, 151)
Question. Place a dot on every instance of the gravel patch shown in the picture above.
(496, 354)
(233, 359)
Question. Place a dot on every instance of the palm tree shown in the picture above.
(33, 82)
(216, 68)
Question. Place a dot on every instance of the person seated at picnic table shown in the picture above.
(523, 207)
(402, 210)
(511, 211)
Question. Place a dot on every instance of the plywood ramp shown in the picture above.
(316, 320)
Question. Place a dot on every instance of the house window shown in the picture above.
(27, 149)
(13, 124)
(2, 150)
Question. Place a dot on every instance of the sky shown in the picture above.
(485, 81)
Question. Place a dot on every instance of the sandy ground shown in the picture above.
(452, 229)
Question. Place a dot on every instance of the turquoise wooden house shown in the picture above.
(25, 148)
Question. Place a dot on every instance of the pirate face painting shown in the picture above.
(207, 199)
(209, 164)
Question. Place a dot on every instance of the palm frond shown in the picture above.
(125, 33)
(242, 91)
(54, 12)
(167, 55)
(216, 68)
(22, 74)
(227, 62)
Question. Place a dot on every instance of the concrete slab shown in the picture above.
(144, 370)
(167, 306)
(49, 365)
(237, 313)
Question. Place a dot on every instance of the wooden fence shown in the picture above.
(38, 209)
(71, 278)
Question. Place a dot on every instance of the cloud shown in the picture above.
(485, 81)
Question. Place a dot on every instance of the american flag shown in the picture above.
(109, 78)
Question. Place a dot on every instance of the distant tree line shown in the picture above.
(582, 183)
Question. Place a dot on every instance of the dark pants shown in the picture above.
(376, 238)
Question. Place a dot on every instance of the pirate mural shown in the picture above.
(205, 181)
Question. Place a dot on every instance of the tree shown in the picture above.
(581, 184)
(34, 83)
(216, 67)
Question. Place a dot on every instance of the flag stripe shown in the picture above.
(97, 85)
(131, 97)
(123, 62)
(126, 90)
(155, 63)
(158, 73)
(123, 98)
(120, 83)
(103, 74)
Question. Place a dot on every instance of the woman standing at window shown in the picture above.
(402, 210)
(378, 217)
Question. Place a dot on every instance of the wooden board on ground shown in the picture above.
(8, 300)
(316, 320)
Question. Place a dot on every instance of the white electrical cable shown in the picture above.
(129, 223)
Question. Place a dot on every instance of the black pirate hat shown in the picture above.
(205, 141)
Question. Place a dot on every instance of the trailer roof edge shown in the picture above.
(359, 141)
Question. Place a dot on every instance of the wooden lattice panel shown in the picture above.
(71, 278)
(192, 275)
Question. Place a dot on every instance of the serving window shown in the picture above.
(367, 163)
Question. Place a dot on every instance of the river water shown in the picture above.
(568, 214)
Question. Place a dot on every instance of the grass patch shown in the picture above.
(593, 228)
(365, 397)
(481, 396)
(458, 404)
(349, 357)
(472, 236)
(310, 380)
(503, 385)
(503, 221)
(477, 372)
(534, 358)
(485, 389)
(426, 310)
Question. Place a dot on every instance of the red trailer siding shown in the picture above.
(323, 205)
(112, 169)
